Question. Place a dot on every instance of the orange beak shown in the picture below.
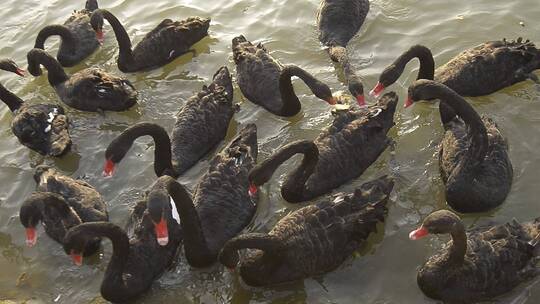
(377, 90)
(361, 100)
(31, 237)
(408, 102)
(162, 233)
(331, 101)
(20, 72)
(252, 190)
(418, 233)
(108, 169)
(100, 36)
(76, 257)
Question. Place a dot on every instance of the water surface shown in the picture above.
(384, 271)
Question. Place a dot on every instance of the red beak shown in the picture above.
(162, 233)
(377, 90)
(361, 100)
(31, 236)
(418, 233)
(331, 100)
(20, 72)
(252, 190)
(408, 102)
(76, 257)
(100, 36)
(108, 169)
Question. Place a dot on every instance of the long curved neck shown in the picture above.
(52, 30)
(339, 54)
(458, 249)
(37, 57)
(10, 99)
(427, 64)
(291, 104)
(195, 246)
(67, 214)
(261, 241)
(294, 186)
(162, 153)
(120, 255)
(476, 128)
(124, 43)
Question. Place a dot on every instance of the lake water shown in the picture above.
(384, 271)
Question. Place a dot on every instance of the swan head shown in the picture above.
(91, 5)
(238, 39)
(10, 66)
(389, 76)
(229, 258)
(30, 216)
(96, 20)
(438, 222)
(115, 152)
(425, 90)
(357, 90)
(159, 206)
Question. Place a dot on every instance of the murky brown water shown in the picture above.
(385, 271)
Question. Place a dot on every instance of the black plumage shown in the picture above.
(200, 126)
(87, 90)
(137, 260)
(221, 206)
(344, 151)
(78, 39)
(266, 82)
(478, 265)
(40, 127)
(61, 203)
(81, 196)
(478, 71)
(338, 21)
(57, 217)
(312, 240)
(473, 155)
(169, 40)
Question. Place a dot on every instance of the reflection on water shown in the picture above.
(384, 271)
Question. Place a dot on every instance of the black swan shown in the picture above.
(473, 155)
(221, 206)
(200, 125)
(338, 21)
(479, 71)
(57, 217)
(312, 240)
(137, 260)
(78, 38)
(166, 42)
(87, 90)
(40, 127)
(265, 82)
(81, 196)
(343, 152)
(479, 265)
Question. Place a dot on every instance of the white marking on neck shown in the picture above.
(376, 112)
(175, 214)
(171, 53)
(339, 199)
(51, 116)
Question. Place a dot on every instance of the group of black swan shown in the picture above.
(210, 220)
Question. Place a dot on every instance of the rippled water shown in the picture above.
(385, 271)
